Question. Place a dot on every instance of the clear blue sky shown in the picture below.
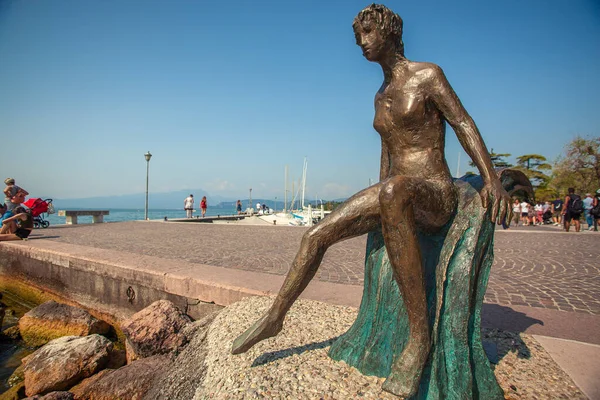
(224, 94)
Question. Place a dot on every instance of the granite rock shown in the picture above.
(65, 361)
(52, 320)
(157, 329)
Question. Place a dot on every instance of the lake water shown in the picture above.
(120, 214)
(11, 353)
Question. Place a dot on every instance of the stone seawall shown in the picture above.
(119, 283)
(111, 288)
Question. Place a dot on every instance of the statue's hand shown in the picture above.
(494, 195)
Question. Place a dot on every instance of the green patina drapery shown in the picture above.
(457, 264)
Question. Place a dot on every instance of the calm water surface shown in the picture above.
(120, 214)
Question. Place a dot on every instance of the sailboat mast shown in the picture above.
(304, 181)
(285, 192)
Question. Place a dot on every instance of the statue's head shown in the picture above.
(378, 31)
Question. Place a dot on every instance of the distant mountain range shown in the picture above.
(170, 200)
(137, 201)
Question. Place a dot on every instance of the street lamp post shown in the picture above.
(275, 204)
(147, 156)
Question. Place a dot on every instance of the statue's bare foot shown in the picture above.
(264, 328)
(405, 377)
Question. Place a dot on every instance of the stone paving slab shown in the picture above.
(580, 360)
(539, 266)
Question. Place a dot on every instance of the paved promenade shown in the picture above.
(541, 267)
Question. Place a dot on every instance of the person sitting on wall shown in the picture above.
(18, 227)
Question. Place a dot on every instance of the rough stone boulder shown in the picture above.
(53, 396)
(10, 334)
(186, 373)
(129, 382)
(65, 361)
(157, 329)
(52, 320)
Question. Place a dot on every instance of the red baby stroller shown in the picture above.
(38, 207)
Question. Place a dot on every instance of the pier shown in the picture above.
(210, 219)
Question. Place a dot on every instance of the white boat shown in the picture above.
(305, 215)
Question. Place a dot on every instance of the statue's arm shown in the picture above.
(449, 104)
(492, 194)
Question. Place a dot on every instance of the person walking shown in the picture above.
(596, 210)
(588, 203)
(188, 206)
(203, 205)
(238, 207)
(557, 206)
(516, 211)
(572, 209)
(539, 211)
(524, 206)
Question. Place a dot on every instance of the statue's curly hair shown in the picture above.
(387, 21)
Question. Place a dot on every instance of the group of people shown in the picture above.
(188, 205)
(17, 222)
(262, 209)
(565, 212)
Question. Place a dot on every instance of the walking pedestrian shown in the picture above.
(588, 203)
(557, 206)
(531, 214)
(596, 210)
(539, 211)
(516, 211)
(572, 209)
(524, 213)
(188, 206)
(238, 207)
(203, 205)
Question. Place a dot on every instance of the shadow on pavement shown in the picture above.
(501, 329)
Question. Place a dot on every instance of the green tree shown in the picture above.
(497, 160)
(579, 167)
(533, 166)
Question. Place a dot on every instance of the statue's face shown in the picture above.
(370, 39)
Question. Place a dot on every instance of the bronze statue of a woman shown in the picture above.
(415, 192)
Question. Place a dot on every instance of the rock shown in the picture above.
(187, 371)
(157, 329)
(2, 312)
(52, 320)
(65, 361)
(129, 382)
(10, 334)
(14, 393)
(17, 376)
(117, 359)
(53, 396)
(81, 388)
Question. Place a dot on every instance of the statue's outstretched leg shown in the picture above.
(401, 201)
(358, 215)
